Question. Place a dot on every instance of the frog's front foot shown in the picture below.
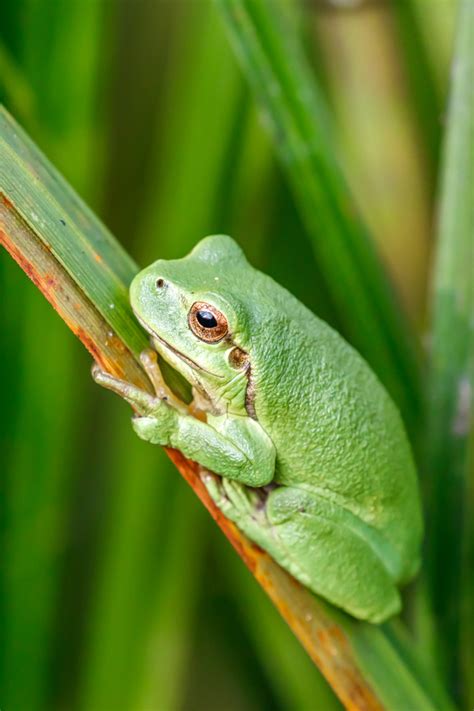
(140, 400)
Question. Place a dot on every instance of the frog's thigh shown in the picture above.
(331, 559)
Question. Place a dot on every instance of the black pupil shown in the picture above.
(206, 319)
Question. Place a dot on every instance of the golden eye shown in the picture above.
(207, 322)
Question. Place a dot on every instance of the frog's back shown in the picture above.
(335, 430)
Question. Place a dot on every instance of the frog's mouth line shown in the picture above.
(174, 350)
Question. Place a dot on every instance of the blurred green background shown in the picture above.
(118, 592)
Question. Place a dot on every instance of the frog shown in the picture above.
(298, 442)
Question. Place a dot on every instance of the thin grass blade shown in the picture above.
(450, 504)
(384, 158)
(425, 96)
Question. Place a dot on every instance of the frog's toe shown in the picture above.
(229, 496)
(139, 399)
(215, 489)
(238, 496)
(108, 381)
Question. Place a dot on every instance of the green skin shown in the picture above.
(288, 403)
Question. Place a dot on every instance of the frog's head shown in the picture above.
(189, 309)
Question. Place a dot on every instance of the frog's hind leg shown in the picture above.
(315, 541)
(329, 551)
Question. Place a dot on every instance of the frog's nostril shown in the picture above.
(160, 283)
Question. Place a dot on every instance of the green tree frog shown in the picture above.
(298, 442)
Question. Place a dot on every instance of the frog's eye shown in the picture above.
(207, 322)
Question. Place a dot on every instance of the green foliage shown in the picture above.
(116, 590)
